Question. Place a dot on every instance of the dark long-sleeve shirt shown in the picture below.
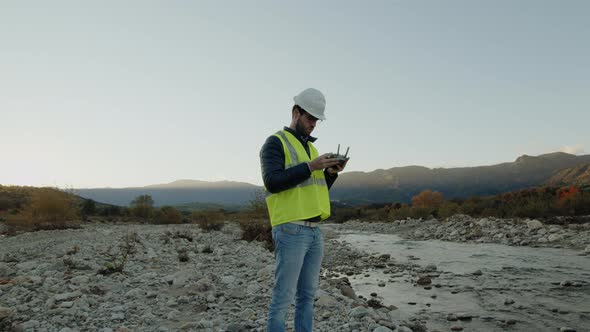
(272, 161)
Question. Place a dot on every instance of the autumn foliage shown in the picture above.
(540, 202)
(428, 199)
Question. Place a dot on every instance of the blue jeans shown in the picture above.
(298, 252)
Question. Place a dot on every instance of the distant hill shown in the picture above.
(177, 193)
(190, 207)
(578, 176)
(193, 184)
(400, 184)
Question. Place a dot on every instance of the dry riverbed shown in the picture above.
(179, 278)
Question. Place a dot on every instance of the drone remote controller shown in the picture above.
(342, 158)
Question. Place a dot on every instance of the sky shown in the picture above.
(132, 93)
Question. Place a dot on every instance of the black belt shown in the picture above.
(314, 219)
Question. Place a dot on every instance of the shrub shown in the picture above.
(110, 211)
(88, 208)
(400, 214)
(428, 199)
(183, 255)
(209, 220)
(52, 205)
(340, 215)
(257, 205)
(47, 209)
(257, 230)
(167, 215)
(142, 206)
(118, 260)
(448, 209)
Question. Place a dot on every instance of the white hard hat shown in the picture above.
(312, 101)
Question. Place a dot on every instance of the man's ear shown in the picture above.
(295, 112)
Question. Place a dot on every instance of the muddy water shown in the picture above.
(536, 279)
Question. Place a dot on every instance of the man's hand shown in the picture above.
(337, 168)
(322, 162)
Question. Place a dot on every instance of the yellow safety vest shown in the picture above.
(309, 198)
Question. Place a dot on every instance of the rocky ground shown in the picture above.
(173, 278)
(178, 278)
(463, 228)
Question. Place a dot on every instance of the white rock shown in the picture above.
(67, 329)
(5, 312)
(266, 272)
(118, 316)
(67, 296)
(228, 280)
(358, 312)
(534, 224)
(382, 329)
(135, 293)
(173, 315)
(248, 314)
(253, 288)
(554, 237)
(66, 304)
(326, 301)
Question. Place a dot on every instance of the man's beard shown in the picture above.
(301, 129)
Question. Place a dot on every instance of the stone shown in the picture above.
(266, 272)
(567, 329)
(5, 312)
(6, 271)
(67, 296)
(424, 281)
(118, 316)
(508, 301)
(31, 325)
(382, 329)
(534, 224)
(173, 315)
(228, 280)
(181, 278)
(456, 328)
(204, 324)
(404, 329)
(358, 312)
(348, 292)
(248, 314)
(452, 318)
(464, 316)
(326, 301)
(66, 304)
(135, 293)
(430, 267)
(234, 327)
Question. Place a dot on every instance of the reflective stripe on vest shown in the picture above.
(306, 200)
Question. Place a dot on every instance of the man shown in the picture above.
(297, 180)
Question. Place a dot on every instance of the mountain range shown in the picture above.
(398, 184)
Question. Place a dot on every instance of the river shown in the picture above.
(502, 287)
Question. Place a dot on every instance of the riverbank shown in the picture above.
(463, 228)
(173, 278)
(179, 278)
